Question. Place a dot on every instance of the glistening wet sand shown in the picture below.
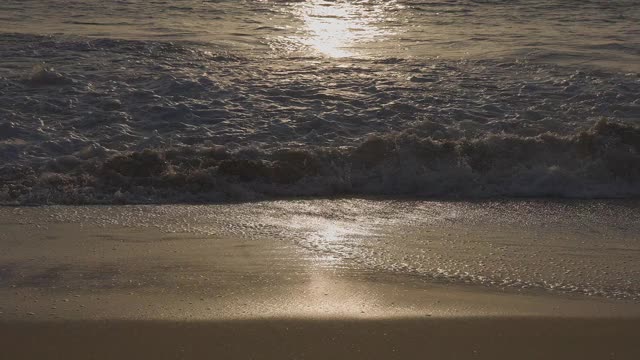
(557, 246)
(443, 338)
(175, 282)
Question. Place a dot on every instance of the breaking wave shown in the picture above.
(86, 121)
(600, 162)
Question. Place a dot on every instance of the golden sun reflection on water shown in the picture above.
(335, 28)
(333, 240)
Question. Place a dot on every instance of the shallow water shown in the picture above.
(170, 101)
(584, 247)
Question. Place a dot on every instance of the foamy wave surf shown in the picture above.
(115, 121)
(601, 162)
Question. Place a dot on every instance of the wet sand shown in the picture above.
(443, 338)
(103, 290)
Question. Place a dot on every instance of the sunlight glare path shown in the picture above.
(334, 28)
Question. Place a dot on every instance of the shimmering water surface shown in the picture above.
(563, 247)
(172, 101)
(580, 32)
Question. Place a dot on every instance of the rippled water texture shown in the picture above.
(173, 101)
(584, 31)
(578, 247)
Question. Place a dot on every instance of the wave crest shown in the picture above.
(603, 161)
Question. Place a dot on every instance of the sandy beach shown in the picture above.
(483, 338)
(74, 285)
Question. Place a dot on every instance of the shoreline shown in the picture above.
(280, 247)
(194, 282)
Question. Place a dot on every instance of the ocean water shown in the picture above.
(135, 101)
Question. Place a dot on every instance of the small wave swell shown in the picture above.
(600, 162)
